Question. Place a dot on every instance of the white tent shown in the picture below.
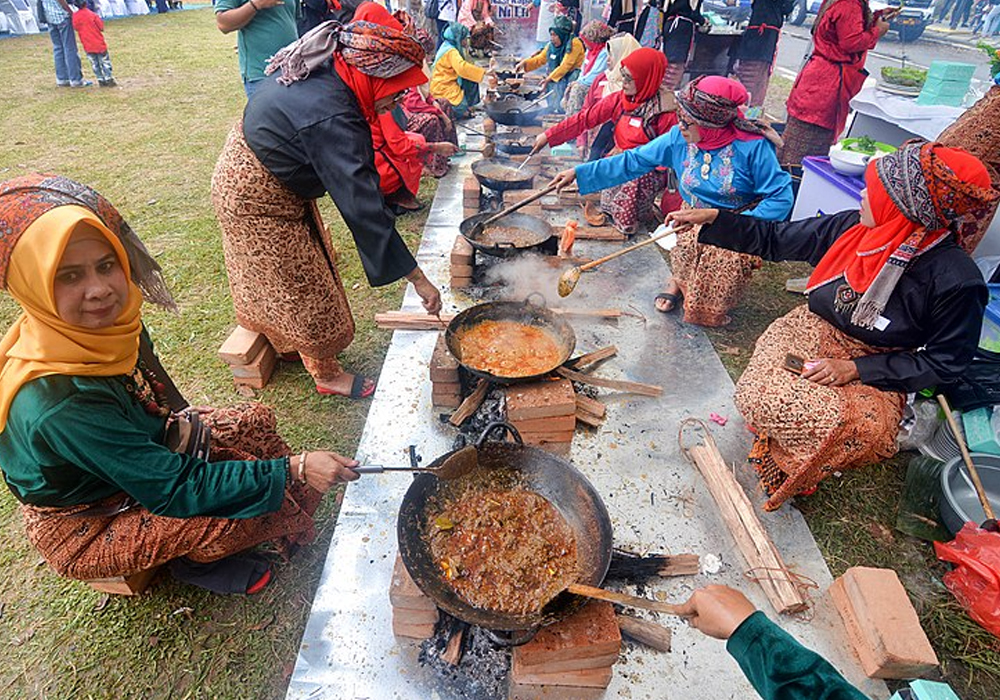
(18, 17)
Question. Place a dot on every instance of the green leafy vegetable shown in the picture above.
(906, 77)
(864, 145)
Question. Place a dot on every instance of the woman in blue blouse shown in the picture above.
(721, 161)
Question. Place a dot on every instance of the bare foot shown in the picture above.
(668, 300)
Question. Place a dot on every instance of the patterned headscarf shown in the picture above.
(596, 32)
(918, 196)
(713, 103)
(24, 199)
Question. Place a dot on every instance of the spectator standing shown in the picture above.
(67, 60)
(90, 27)
(263, 28)
(759, 45)
(961, 12)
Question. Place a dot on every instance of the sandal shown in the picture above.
(673, 299)
(361, 388)
(246, 573)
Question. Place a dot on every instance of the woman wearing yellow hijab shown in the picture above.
(87, 412)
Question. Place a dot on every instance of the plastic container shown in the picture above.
(947, 83)
(989, 337)
(980, 430)
(825, 191)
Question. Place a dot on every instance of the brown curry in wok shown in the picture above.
(509, 349)
(507, 550)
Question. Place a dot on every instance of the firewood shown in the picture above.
(453, 651)
(588, 419)
(592, 358)
(590, 406)
(759, 552)
(471, 404)
(645, 632)
(631, 387)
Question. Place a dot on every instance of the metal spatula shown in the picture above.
(457, 465)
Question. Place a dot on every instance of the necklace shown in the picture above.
(706, 168)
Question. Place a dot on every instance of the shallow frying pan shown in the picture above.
(523, 312)
(530, 232)
(514, 143)
(511, 110)
(501, 174)
(506, 464)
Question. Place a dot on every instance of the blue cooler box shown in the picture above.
(825, 191)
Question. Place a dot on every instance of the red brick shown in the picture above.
(258, 371)
(543, 399)
(580, 664)
(586, 678)
(556, 424)
(412, 631)
(460, 282)
(404, 593)
(241, 346)
(408, 616)
(461, 270)
(446, 400)
(462, 252)
(590, 632)
(133, 584)
(881, 624)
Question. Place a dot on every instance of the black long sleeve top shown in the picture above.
(934, 314)
(679, 20)
(313, 137)
(759, 41)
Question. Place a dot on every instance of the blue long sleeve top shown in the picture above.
(600, 66)
(723, 178)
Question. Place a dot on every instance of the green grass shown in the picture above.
(150, 147)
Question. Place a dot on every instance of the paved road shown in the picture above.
(889, 52)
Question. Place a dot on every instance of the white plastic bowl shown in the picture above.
(848, 162)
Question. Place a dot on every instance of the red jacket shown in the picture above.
(398, 155)
(836, 71)
(629, 131)
(90, 27)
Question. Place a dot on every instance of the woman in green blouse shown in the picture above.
(85, 409)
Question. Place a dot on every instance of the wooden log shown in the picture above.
(452, 653)
(599, 233)
(590, 406)
(588, 419)
(592, 357)
(759, 552)
(645, 632)
(630, 387)
(471, 404)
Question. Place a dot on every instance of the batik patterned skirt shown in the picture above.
(435, 128)
(711, 279)
(632, 205)
(803, 139)
(280, 261)
(755, 76)
(83, 546)
(809, 430)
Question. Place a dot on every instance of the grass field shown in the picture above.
(150, 146)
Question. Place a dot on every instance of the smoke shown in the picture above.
(524, 275)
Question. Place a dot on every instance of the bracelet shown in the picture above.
(302, 467)
(254, 6)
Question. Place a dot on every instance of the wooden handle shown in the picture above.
(646, 632)
(623, 599)
(594, 263)
(980, 491)
(523, 203)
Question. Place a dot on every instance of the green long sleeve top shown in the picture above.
(75, 440)
(779, 668)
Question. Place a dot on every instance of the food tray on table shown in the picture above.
(901, 90)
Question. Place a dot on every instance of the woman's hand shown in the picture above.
(881, 26)
(428, 292)
(323, 470)
(830, 372)
(717, 610)
(444, 148)
(683, 219)
(541, 141)
(564, 179)
(519, 67)
(544, 84)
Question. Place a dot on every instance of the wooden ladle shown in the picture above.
(624, 599)
(457, 465)
(568, 279)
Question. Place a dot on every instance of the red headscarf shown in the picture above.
(369, 89)
(713, 103)
(647, 66)
(918, 196)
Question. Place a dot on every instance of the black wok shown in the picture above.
(511, 110)
(519, 312)
(532, 232)
(515, 144)
(507, 464)
(500, 174)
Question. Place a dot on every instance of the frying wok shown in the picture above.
(515, 143)
(533, 232)
(511, 110)
(519, 312)
(500, 174)
(506, 464)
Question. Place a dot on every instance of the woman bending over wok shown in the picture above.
(721, 160)
(86, 413)
(895, 306)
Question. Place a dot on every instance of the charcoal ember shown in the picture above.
(482, 672)
(490, 411)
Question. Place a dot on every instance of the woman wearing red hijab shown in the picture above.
(306, 133)
(895, 306)
(641, 111)
(720, 160)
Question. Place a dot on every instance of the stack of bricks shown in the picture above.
(250, 357)
(470, 197)
(446, 385)
(579, 651)
(414, 615)
(544, 413)
(462, 259)
(882, 625)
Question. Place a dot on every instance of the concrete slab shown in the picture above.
(656, 499)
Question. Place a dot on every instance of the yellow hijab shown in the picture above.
(39, 343)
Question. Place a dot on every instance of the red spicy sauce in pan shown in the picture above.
(509, 349)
